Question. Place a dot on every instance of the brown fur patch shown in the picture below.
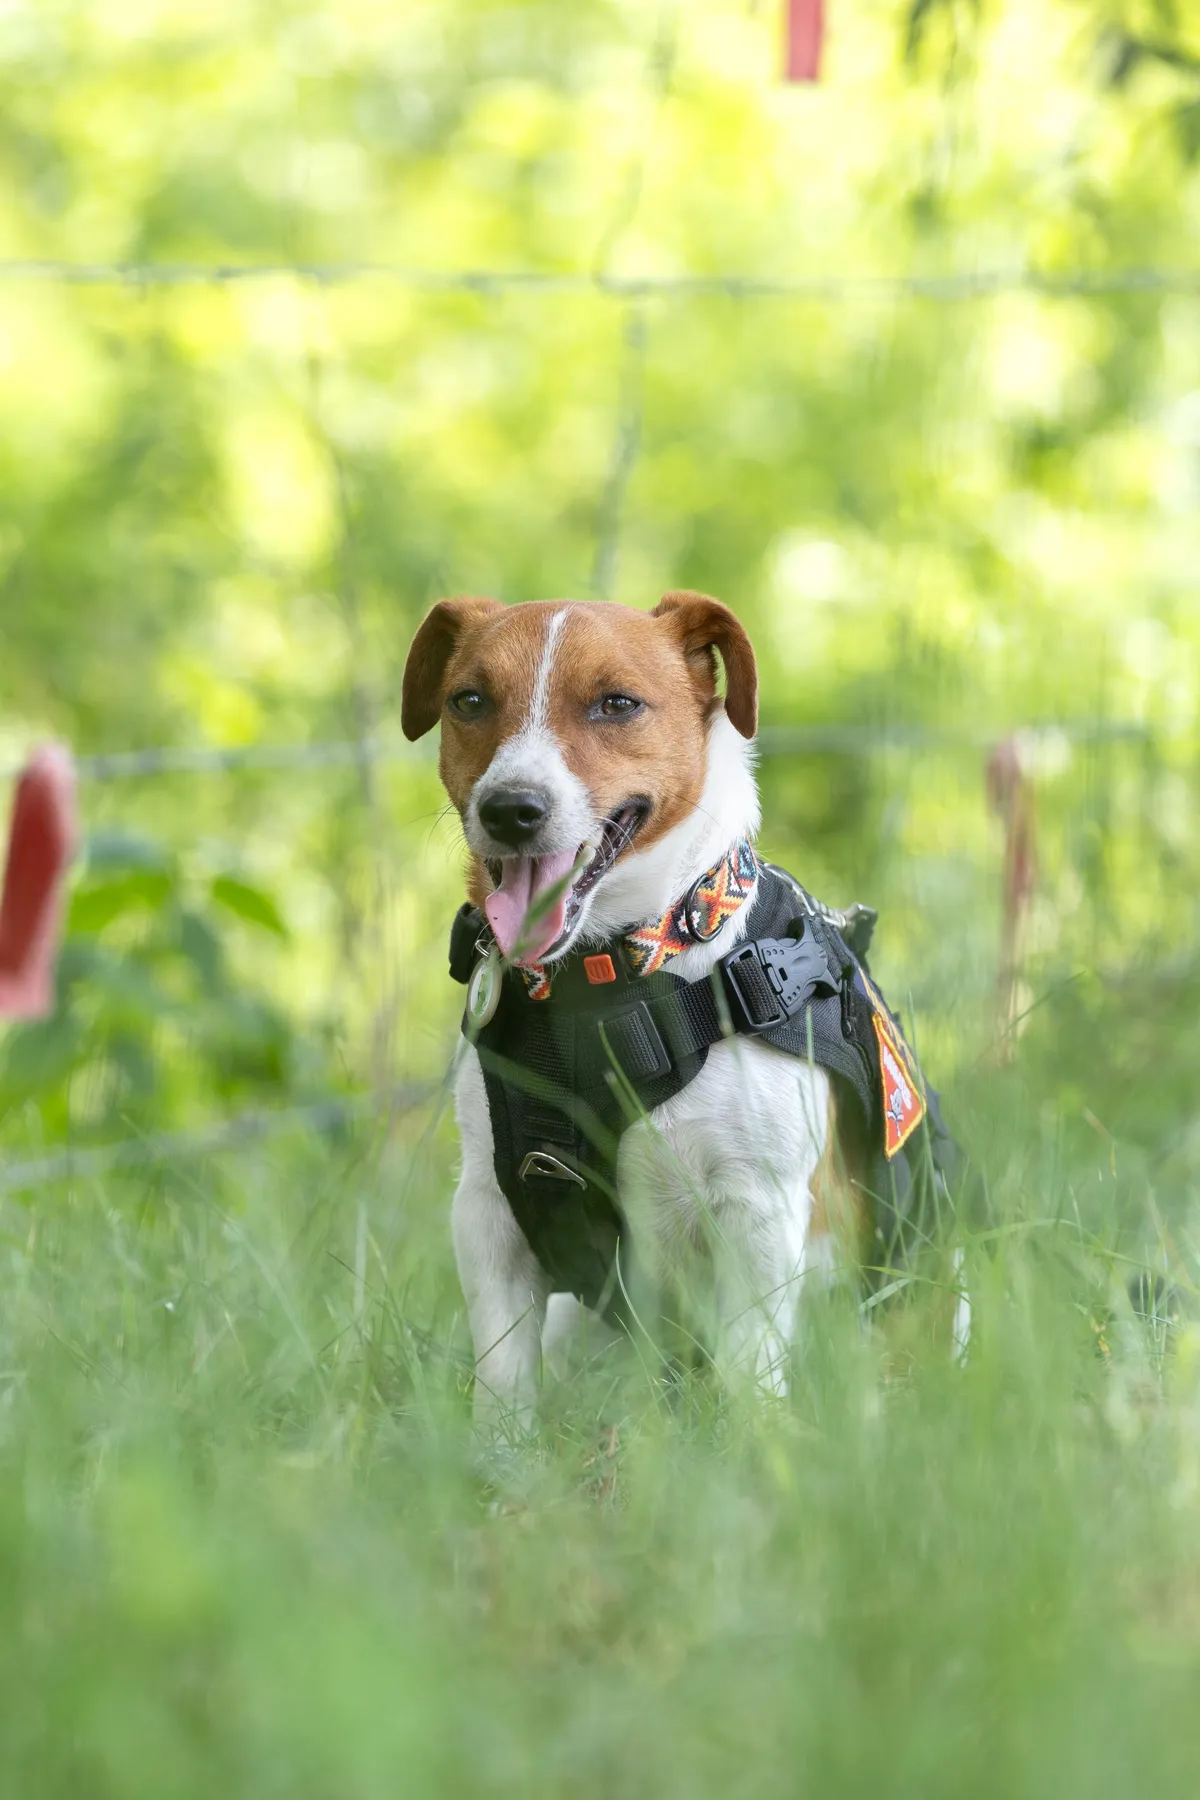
(841, 1207)
(705, 628)
(424, 688)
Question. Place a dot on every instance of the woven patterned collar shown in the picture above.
(696, 917)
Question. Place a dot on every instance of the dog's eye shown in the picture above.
(617, 706)
(469, 703)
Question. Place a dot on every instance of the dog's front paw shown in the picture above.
(506, 1466)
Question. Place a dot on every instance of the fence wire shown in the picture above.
(836, 738)
(326, 1116)
(207, 1140)
(626, 450)
(948, 288)
(218, 759)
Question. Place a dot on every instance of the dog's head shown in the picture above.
(571, 732)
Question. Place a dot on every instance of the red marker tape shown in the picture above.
(40, 846)
(805, 29)
(1010, 792)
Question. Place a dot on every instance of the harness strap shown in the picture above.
(758, 987)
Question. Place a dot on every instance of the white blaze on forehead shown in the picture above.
(532, 757)
(539, 706)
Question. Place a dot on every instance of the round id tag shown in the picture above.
(483, 991)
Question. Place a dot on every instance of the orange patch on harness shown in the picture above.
(599, 969)
(903, 1101)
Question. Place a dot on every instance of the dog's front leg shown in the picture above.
(758, 1263)
(505, 1292)
(770, 1235)
(502, 1281)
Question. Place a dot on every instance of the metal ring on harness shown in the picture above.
(690, 914)
(540, 1162)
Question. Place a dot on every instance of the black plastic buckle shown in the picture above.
(769, 980)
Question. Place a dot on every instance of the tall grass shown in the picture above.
(246, 1549)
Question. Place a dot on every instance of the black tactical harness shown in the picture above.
(566, 1075)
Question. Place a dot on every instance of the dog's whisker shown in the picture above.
(443, 816)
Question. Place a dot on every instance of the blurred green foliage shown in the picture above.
(148, 1008)
(240, 1547)
(224, 505)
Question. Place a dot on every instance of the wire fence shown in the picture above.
(230, 759)
(841, 738)
(338, 1113)
(949, 288)
(321, 1117)
(835, 738)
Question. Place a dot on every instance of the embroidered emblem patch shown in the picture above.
(903, 1101)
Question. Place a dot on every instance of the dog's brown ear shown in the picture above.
(704, 625)
(434, 645)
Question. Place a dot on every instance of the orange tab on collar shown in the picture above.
(903, 1101)
(599, 969)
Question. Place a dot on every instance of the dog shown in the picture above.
(668, 1040)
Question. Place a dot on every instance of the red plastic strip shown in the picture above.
(40, 846)
(805, 30)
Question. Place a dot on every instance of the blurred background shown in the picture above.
(312, 313)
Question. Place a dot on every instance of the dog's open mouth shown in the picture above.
(536, 902)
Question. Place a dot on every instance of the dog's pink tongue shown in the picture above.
(525, 880)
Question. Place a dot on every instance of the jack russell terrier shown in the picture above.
(669, 1042)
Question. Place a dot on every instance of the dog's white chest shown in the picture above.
(728, 1163)
(746, 1134)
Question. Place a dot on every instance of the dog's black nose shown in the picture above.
(514, 815)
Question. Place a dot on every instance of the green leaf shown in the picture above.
(95, 906)
(37, 1057)
(199, 943)
(252, 904)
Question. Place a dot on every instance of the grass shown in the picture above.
(245, 1550)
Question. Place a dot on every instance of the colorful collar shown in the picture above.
(709, 903)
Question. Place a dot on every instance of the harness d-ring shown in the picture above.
(694, 919)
